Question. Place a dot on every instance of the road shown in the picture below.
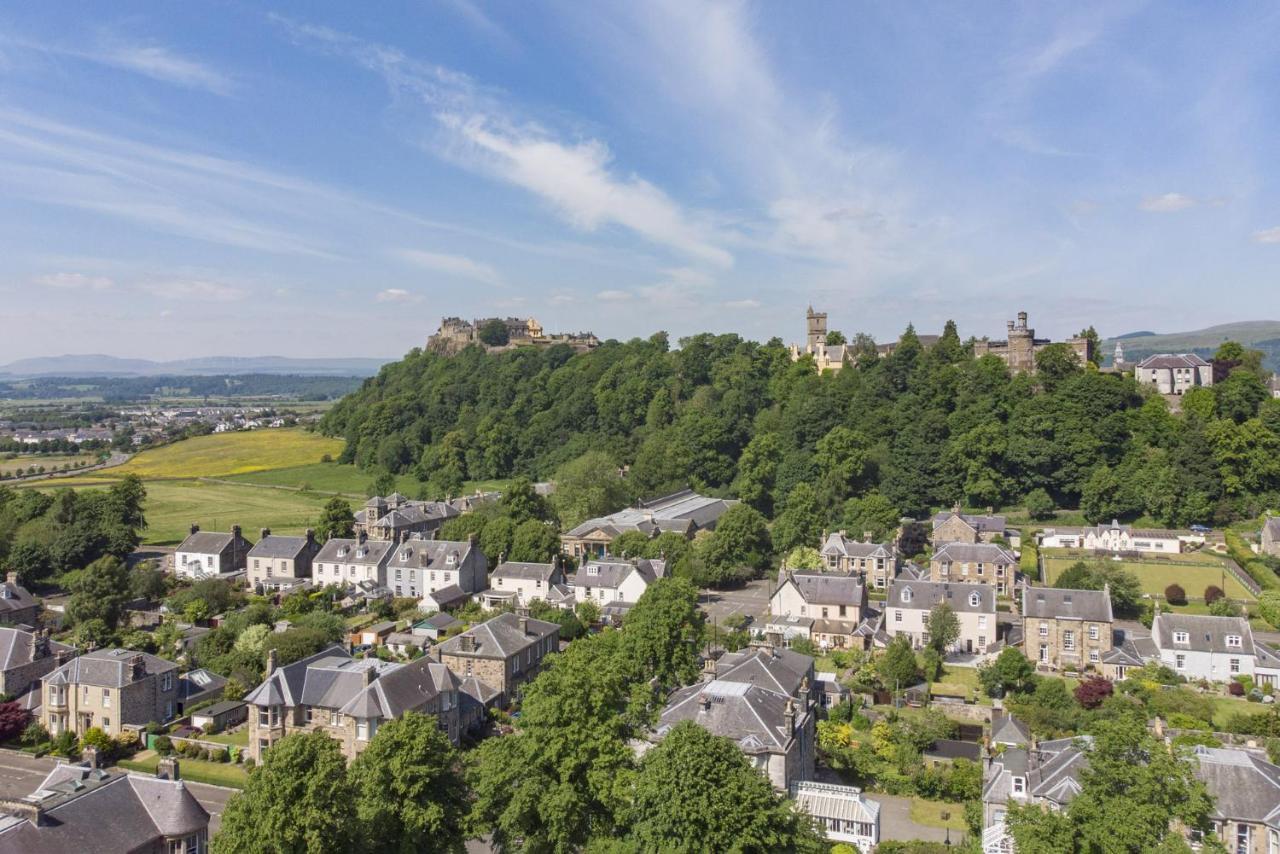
(116, 459)
(751, 599)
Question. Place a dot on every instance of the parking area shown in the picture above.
(752, 599)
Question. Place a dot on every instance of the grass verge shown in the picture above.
(195, 770)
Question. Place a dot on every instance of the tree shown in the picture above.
(1212, 594)
(1039, 505)
(630, 544)
(660, 634)
(496, 537)
(1093, 691)
(1223, 607)
(835, 338)
(871, 514)
(586, 487)
(801, 521)
(336, 520)
(896, 666)
(1010, 673)
(1124, 587)
(1175, 595)
(1269, 607)
(1056, 362)
(494, 333)
(147, 582)
(100, 593)
(737, 548)
(409, 792)
(299, 799)
(944, 628)
(534, 541)
(520, 501)
(13, 720)
(803, 557)
(724, 804)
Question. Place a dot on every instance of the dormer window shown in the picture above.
(593, 570)
(1019, 786)
(906, 594)
(1233, 641)
(974, 599)
(342, 552)
(1181, 637)
(404, 555)
(451, 559)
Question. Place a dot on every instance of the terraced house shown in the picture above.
(1214, 648)
(519, 583)
(352, 561)
(975, 563)
(109, 688)
(615, 584)
(441, 572)
(277, 562)
(909, 604)
(348, 699)
(502, 654)
(206, 553)
(875, 562)
(1245, 788)
(1066, 629)
(824, 608)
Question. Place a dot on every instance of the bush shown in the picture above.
(163, 745)
(1235, 689)
(1175, 595)
(1093, 691)
(1039, 505)
(13, 720)
(66, 745)
(97, 739)
(249, 763)
(34, 734)
(1212, 594)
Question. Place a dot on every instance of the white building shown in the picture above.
(614, 582)
(1174, 373)
(349, 562)
(1217, 649)
(842, 813)
(835, 605)
(909, 604)
(205, 554)
(519, 583)
(441, 572)
(1117, 538)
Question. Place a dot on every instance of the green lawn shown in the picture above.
(1194, 572)
(172, 506)
(239, 738)
(957, 682)
(195, 770)
(929, 813)
(1224, 708)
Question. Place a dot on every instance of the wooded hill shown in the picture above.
(903, 434)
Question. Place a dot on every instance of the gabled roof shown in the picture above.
(1008, 730)
(982, 524)
(974, 553)
(840, 544)
(1204, 634)
(15, 597)
(273, 546)
(750, 715)
(825, 588)
(19, 647)
(1245, 787)
(401, 689)
(780, 670)
(1057, 604)
(209, 542)
(108, 668)
(366, 553)
(1173, 360)
(927, 595)
(438, 621)
(284, 686)
(525, 571)
(500, 637)
(682, 512)
(839, 803)
(433, 554)
(1129, 649)
(609, 572)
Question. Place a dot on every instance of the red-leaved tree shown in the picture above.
(1093, 691)
(13, 720)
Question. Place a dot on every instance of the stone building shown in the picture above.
(503, 653)
(456, 334)
(393, 517)
(830, 606)
(278, 560)
(826, 357)
(17, 606)
(1021, 345)
(26, 657)
(348, 699)
(108, 689)
(1170, 373)
(1270, 537)
(954, 526)
(876, 563)
(975, 563)
(439, 572)
(684, 512)
(209, 553)
(1245, 788)
(1066, 629)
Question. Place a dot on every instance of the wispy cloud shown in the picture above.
(743, 304)
(75, 282)
(1269, 235)
(613, 295)
(150, 60)
(395, 295)
(1167, 203)
(452, 265)
(193, 290)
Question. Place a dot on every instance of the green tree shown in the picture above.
(534, 541)
(299, 799)
(803, 557)
(1269, 607)
(835, 338)
(586, 487)
(409, 791)
(494, 333)
(336, 520)
(758, 472)
(496, 537)
(873, 514)
(1039, 505)
(1010, 673)
(738, 548)
(631, 544)
(1055, 363)
(723, 805)
(100, 593)
(801, 521)
(661, 633)
(896, 666)
(943, 627)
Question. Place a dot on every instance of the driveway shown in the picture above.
(751, 599)
(896, 823)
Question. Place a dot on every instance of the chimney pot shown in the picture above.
(195, 529)
(524, 625)
(311, 535)
(235, 531)
(272, 661)
(167, 769)
(263, 533)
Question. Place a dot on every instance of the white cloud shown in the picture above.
(75, 282)
(743, 304)
(1270, 235)
(1167, 203)
(452, 265)
(613, 296)
(193, 290)
(395, 295)
(159, 63)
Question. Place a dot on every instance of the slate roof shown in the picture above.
(1056, 604)
(438, 621)
(974, 553)
(1245, 787)
(1115, 525)
(1008, 730)
(1130, 650)
(96, 810)
(107, 668)
(500, 637)
(927, 595)
(524, 571)
(750, 715)
(19, 647)
(1173, 360)
(840, 544)
(367, 553)
(208, 542)
(447, 596)
(220, 708)
(400, 689)
(780, 670)
(432, 554)
(284, 686)
(682, 512)
(194, 683)
(1272, 526)
(15, 597)
(611, 572)
(273, 546)
(982, 524)
(827, 589)
(1052, 772)
(1205, 634)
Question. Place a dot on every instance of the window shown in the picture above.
(1069, 641)
(1233, 641)
(1044, 652)
(106, 698)
(897, 616)
(335, 717)
(106, 723)
(982, 641)
(1181, 637)
(1094, 657)
(168, 710)
(906, 594)
(362, 729)
(1093, 632)
(399, 575)
(1044, 630)
(166, 681)
(843, 611)
(975, 599)
(1019, 785)
(1180, 662)
(1235, 665)
(824, 612)
(306, 714)
(982, 621)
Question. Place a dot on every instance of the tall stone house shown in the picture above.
(976, 563)
(17, 606)
(954, 526)
(1066, 629)
(764, 700)
(1174, 373)
(277, 560)
(823, 608)
(502, 653)
(25, 658)
(439, 572)
(108, 689)
(909, 604)
(1019, 348)
(80, 808)
(395, 517)
(348, 699)
(353, 561)
(208, 553)
(876, 563)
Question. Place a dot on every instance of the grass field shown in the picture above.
(49, 461)
(227, 454)
(324, 477)
(929, 813)
(172, 506)
(1194, 572)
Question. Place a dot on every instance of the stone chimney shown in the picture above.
(467, 642)
(272, 661)
(361, 537)
(23, 809)
(471, 538)
(708, 669)
(866, 536)
(369, 675)
(789, 716)
(167, 769)
(195, 529)
(61, 657)
(138, 666)
(263, 533)
(311, 535)
(524, 625)
(235, 531)
(11, 578)
(91, 757)
(804, 693)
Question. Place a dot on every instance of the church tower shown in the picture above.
(817, 329)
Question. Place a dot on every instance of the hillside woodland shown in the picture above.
(919, 429)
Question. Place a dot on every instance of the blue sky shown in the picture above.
(313, 179)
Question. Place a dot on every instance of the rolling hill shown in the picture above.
(1261, 335)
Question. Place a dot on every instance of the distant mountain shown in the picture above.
(1261, 335)
(97, 365)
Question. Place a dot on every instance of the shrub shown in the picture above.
(249, 763)
(1212, 594)
(34, 734)
(1093, 691)
(13, 720)
(1175, 595)
(66, 745)
(1235, 689)
(163, 745)
(97, 739)
(1223, 607)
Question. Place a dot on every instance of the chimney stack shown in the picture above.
(263, 533)
(195, 529)
(311, 535)
(524, 625)
(362, 537)
(11, 578)
(90, 755)
(467, 642)
(167, 769)
(789, 716)
(369, 675)
(235, 531)
(272, 661)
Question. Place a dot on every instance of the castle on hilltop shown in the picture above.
(456, 334)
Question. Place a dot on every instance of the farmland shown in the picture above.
(173, 505)
(226, 454)
(1194, 572)
(50, 462)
